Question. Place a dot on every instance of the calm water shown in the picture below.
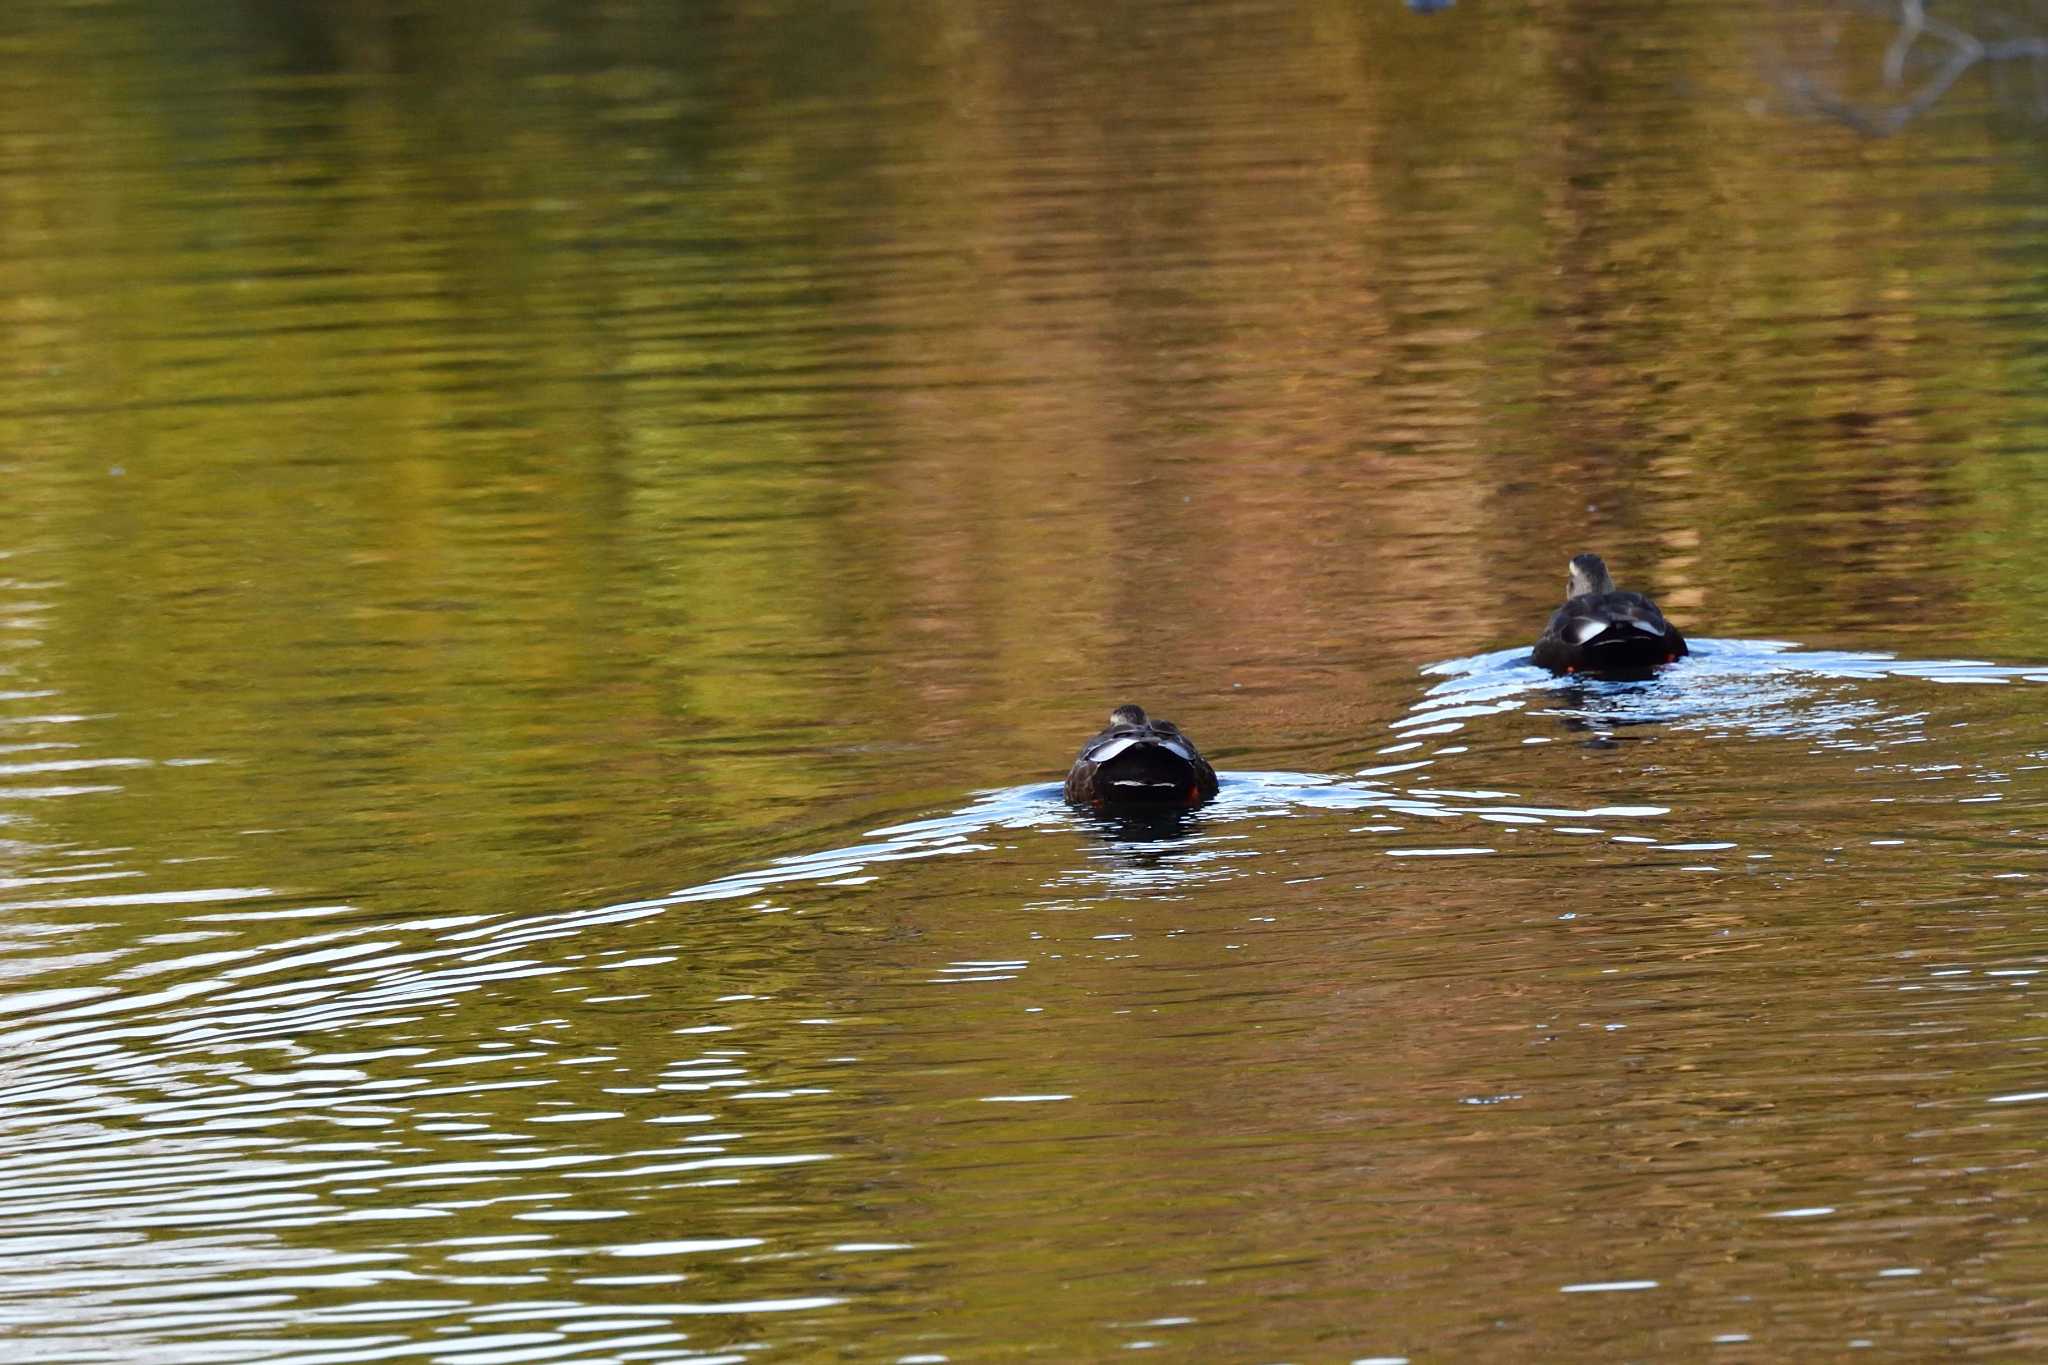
(552, 559)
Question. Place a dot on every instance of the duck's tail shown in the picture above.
(1632, 644)
(1150, 771)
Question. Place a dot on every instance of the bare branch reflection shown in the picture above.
(1923, 60)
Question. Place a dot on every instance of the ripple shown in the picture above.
(1763, 687)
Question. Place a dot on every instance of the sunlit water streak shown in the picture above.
(428, 962)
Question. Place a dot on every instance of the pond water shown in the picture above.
(555, 555)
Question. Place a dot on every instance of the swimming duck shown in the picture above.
(1140, 763)
(1602, 631)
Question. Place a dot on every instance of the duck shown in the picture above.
(1603, 631)
(1139, 762)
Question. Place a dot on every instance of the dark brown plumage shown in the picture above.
(1603, 631)
(1137, 763)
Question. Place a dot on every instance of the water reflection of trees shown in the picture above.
(744, 412)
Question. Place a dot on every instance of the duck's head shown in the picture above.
(1127, 714)
(1588, 573)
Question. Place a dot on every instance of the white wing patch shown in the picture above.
(1110, 748)
(1585, 628)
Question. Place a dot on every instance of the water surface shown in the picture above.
(554, 558)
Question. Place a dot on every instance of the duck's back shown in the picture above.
(1149, 764)
(1608, 632)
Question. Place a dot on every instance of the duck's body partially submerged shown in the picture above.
(1138, 763)
(1603, 631)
